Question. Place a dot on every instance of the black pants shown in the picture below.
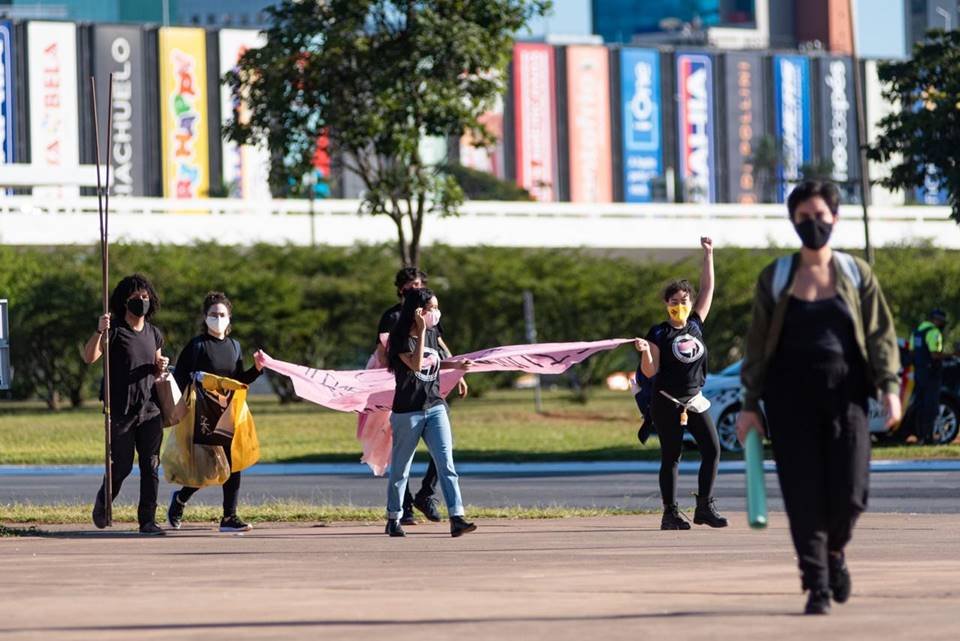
(144, 439)
(666, 418)
(231, 489)
(821, 443)
(427, 489)
(926, 402)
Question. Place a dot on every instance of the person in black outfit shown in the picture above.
(675, 352)
(215, 353)
(135, 423)
(407, 279)
(821, 342)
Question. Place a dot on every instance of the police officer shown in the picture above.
(928, 356)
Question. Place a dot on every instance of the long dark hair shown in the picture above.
(214, 298)
(126, 287)
(398, 343)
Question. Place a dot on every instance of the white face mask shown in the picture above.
(218, 324)
(432, 318)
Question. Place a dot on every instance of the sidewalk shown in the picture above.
(610, 578)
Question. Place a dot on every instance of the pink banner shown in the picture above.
(370, 391)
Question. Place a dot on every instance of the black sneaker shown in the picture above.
(151, 529)
(459, 526)
(840, 583)
(175, 511)
(394, 528)
(818, 602)
(429, 506)
(99, 514)
(233, 523)
(408, 518)
(673, 519)
(706, 513)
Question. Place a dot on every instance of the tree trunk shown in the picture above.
(53, 399)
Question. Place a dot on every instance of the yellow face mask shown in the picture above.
(679, 313)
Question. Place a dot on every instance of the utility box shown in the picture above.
(4, 346)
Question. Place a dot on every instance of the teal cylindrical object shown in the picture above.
(756, 488)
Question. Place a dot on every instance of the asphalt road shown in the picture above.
(900, 492)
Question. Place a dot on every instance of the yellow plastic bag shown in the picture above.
(185, 463)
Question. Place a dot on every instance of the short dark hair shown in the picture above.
(211, 299)
(810, 189)
(682, 285)
(125, 288)
(408, 275)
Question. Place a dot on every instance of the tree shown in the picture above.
(376, 76)
(766, 160)
(923, 139)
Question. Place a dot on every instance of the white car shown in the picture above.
(723, 392)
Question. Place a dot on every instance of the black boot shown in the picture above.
(459, 526)
(672, 520)
(706, 513)
(840, 583)
(818, 602)
(99, 512)
(175, 511)
(428, 505)
(394, 528)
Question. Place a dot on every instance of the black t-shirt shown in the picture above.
(221, 357)
(683, 357)
(418, 391)
(133, 358)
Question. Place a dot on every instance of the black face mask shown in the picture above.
(138, 307)
(814, 233)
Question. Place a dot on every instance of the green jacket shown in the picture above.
(859, 289)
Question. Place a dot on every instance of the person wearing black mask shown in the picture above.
(135, 423)
(213, 352)
(821, 342)
(407, 279)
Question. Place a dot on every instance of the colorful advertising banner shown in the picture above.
(120, 50)
(695, 127)
(792, 119)
(54, 125)
(642, 125)
(588, 124)
(246, 169)
(838, 133)
(534, 98)
(7, 109)
(745, 123)
(183, 112)
(487, 159)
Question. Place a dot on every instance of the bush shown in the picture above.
(319, 307)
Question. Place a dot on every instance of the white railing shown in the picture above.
(28, 220)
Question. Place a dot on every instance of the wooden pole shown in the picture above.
(861, 135)
(104, 273)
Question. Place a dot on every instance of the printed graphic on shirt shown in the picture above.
(687, 348)
(431, 365)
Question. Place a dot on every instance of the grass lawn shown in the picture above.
(500, 426)
(276, 512)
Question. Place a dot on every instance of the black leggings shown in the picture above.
(427, 489)
(144, 438)
(666, 418)
(231, 490)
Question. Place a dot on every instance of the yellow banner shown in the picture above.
(183, 113)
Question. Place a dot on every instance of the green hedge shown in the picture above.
(320, 306)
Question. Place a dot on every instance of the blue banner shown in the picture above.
(695, 128)
(6, 92)
(792, 120)
(642, 139)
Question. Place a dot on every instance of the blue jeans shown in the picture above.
(433, 425)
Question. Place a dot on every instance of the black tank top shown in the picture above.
(818, 336)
